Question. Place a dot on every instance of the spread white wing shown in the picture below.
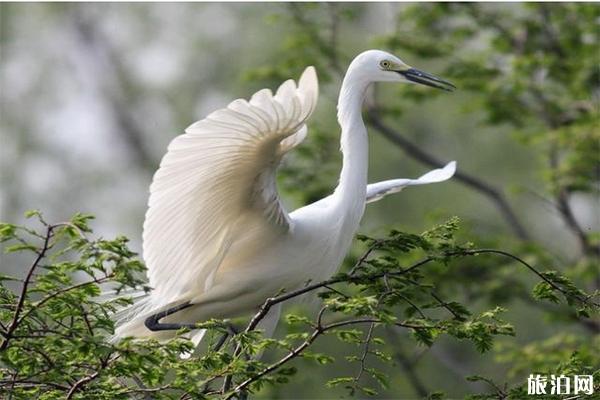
(377, 191)
(217, 175)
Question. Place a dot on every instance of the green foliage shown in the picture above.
(530, 67)
(561, 354)
(56, 326)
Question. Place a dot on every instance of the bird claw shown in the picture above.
(153, 322)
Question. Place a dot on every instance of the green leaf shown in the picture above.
(20, 247)
(32, 213)
(543, 291)
(7, 231)
(338, 381)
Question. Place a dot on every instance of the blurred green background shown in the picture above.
(91, 94)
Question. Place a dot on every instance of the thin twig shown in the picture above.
(15, 321)
(33, 383)
(529, 266)
(365, 352)
(413, 305)
(80, 383)
(364, 257)
(87, 379)
(63, 291)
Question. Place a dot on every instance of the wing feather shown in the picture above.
(220, 172)
(377, 191)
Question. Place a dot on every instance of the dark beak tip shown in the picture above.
(424, 78)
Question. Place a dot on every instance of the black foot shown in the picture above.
(153, 321)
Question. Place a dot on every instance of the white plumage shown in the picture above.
(216, 233)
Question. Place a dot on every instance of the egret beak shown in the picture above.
(423, 78)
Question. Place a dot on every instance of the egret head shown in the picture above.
(380, 66)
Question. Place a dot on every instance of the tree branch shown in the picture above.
(530, 267)
(80, 383)
(63, 291)
(87, 379)
(365, 352)
(318, 331)
(15, 321)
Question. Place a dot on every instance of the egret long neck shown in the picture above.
(351, 191)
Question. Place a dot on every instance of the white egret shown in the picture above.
(217, 240)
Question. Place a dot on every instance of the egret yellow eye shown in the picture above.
(385, 64)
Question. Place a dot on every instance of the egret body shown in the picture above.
(216, 236)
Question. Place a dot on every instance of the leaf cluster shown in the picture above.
(56, 327)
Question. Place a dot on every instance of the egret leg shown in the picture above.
(232, 332)
(269, 323)
(153, 322)
(221, 342)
